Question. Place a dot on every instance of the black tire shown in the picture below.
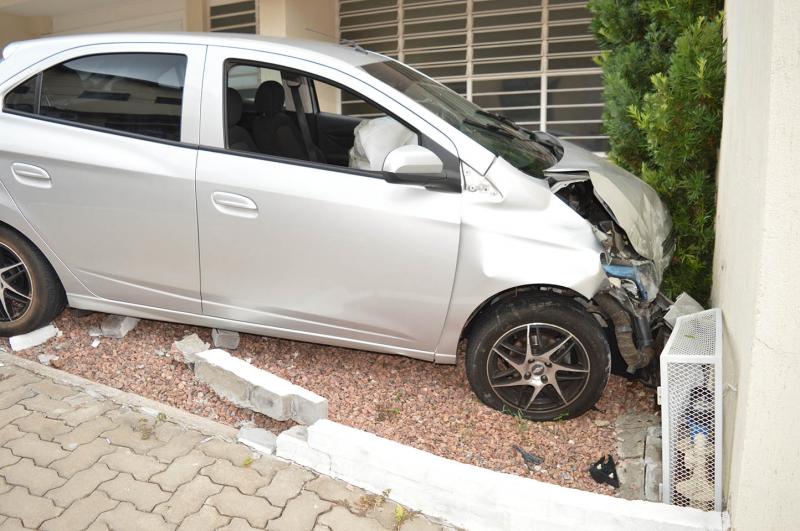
(34, 279)
(580, 366)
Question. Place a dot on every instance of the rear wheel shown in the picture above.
(542, 356)
(30, 293)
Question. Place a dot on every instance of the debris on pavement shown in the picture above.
(96, 342)
(189, 346)
(605, 471)
(531, 460)
(118, 326)
(225, 339)
(45, 359)
(33, 339)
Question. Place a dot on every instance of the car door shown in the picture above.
(103, 168)
(317, 251)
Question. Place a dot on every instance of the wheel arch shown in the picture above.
(517, 291)
(12, 219)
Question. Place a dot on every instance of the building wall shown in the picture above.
(756, 258)
(16, 28)
(148, 15)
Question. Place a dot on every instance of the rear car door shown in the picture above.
(313, 249)
(102, 164)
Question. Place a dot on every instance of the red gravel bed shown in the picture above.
(426, 406)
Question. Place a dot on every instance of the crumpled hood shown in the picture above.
(635, 206)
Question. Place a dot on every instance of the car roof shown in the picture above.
(312, 50)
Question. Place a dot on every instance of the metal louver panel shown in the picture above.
(233, 16)
(514, 57)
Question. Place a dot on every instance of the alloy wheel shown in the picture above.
(15, 286)
(538, 367)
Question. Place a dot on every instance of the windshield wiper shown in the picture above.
(498, 117)
(487, 127)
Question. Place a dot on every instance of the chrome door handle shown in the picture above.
(234, 204)
(30, 175)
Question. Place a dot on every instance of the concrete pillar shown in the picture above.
(196, 15)
(756, 262)
(301, 19)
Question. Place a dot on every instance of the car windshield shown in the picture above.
(496, 133)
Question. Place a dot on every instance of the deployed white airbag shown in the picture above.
(375, 139)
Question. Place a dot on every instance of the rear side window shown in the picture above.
(138, 93)
(23, 97)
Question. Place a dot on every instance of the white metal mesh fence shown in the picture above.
(691, 381)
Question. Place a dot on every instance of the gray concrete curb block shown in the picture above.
(469, 496)
(248, 386)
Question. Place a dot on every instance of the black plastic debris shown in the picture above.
(531, 460)
(605, 471)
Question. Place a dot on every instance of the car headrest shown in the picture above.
(234, 104)
(269, 98)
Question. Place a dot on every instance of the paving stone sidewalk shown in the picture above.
(77, 455)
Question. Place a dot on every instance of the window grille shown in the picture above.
(514, 57)
(233, 17)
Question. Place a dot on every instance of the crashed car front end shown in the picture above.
(634, 228)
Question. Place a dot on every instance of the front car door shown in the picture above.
(319, 251)
(102, 166)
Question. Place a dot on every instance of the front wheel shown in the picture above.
(542, 356)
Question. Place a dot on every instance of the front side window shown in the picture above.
(281, 113)
(496, 133)
(139, 93)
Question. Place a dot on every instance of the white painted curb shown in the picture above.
(470, 496)
(33, 339)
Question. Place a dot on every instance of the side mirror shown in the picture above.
(412, 160)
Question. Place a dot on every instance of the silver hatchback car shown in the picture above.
(321, 193)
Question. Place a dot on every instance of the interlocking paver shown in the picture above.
(340, 519)
(17, 380)
(9, 398)
(126, 517)
(12, 524)
(47, 429)
(44, 404)
(206, 519)
(300, 513)
(247, 480)
(84, 433)
(32, 510)
(286, 484)
(7, 458)
(9, 432)
(36, 479)
(12, 413)
(188, 499)
(233, 452)
(140, 442)
(238, 524)
(85, 413)
(72, 457)
(178, 446)
(145, 496)
(142, 467)
(52, 389)
(255, 510)
(42, 452)
(82, 457)
(335, 491)
(81, 484)
(81, 513)
(181, 470)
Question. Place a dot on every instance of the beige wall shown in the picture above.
(756, 263)
(15, 28)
